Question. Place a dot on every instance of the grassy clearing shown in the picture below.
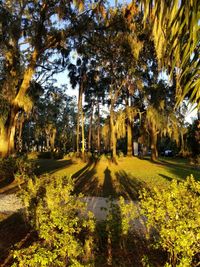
(127, 178)
(103, 178)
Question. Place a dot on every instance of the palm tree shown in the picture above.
(176, 36)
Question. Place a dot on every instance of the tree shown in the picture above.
(175, 32)
(52, 121)
(78, 77)
(29, 33)
(193, 138)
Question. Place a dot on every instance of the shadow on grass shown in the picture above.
(129, 186)
(177, 167)
(51, 165)
(166, 177)
(183, 172)
(85, 180)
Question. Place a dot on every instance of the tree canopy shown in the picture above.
(124, 54)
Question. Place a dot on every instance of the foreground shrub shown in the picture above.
(113, 232)
(33, 155)
(173, 217)
(7, 168)
(45, 155)
(50, 155)
(119, 218)
(18, 168)
(65, 230)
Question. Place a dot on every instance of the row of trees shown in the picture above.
(123, 56)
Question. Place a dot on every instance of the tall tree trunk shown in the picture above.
(21, 122)
(47, 142)
(98, 129)
(52, 137)
(129, 127)
(129, 139)
(114, 94)
(154, 151)
(90, 129)
(83, 135)
(7, 131)
(80, 97)
(7, 134)
(113, 140)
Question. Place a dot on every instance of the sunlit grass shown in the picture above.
(127, 178)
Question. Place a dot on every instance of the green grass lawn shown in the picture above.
(127, 178)
(104, 178)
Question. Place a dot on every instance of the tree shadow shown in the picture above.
(166, 177)
(129, 186)
(85, 180)
(51, 165)
(178, 169)
(156, 162)
(182, 172)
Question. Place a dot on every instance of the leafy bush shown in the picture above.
(24, 166)
(24, 170)
(120, 154)
(113, 232)
(33, 155)
(51, 155)
(120, 214)
(7, 168)
(174, 214)
(65, 230)
(58, 155)
(18, 168)
(45, 155)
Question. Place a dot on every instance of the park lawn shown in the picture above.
(130, 175)
(101, 177)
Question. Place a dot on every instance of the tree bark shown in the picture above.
(90, 129)
(78, 119)
(129, 127)
(83, 135)
(52, 137)
(21, 120)
(154, 151)
(98, 130)
(129, 139)
(7, 134)
(7, 130)
(113, 140)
